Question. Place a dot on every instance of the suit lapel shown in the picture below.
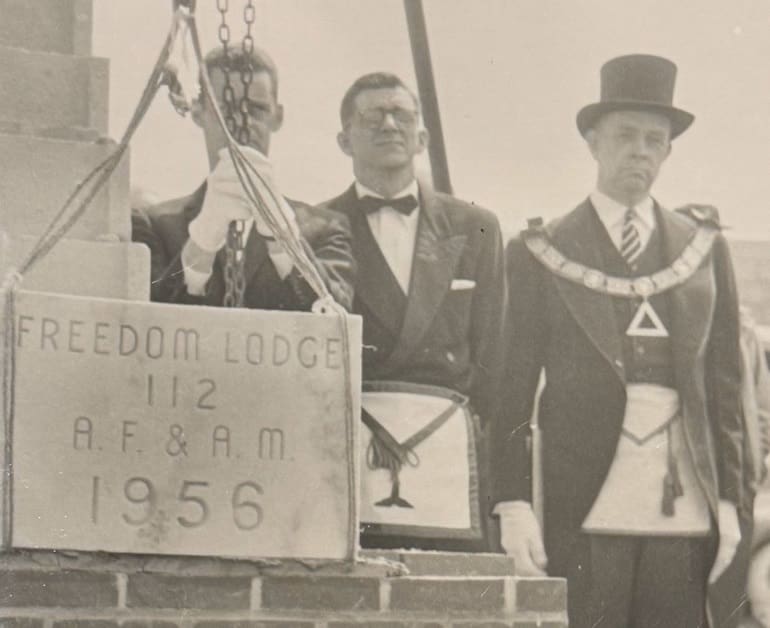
(576, 236)
(436, 254)
(692, 303)
(376, 287)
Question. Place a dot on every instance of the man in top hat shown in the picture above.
(207, 248)
(430, 289)
(630, 311)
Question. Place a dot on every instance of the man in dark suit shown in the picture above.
(630, 312)
(191, 262)
(430, 284)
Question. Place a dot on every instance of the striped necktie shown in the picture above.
(631, 243)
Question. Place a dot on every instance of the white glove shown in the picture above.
(521, 538)
(225, 201)
(729, 538)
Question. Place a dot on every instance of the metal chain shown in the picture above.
(228, 95)
(234, 253)
(235, 283)
(247, 72)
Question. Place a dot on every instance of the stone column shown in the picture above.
(53, 126)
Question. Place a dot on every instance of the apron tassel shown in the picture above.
(668, 496)
(672, 483)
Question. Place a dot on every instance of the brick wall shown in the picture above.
(45, 590)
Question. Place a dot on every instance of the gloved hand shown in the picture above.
(729, 538)
(521, 538)
(224, 202)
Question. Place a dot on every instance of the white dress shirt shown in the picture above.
(395, 233)
(612, 214)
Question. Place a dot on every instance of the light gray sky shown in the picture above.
(511, 75)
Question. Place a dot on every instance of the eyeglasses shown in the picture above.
(374, 117)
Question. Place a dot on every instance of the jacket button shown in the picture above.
(450, 357)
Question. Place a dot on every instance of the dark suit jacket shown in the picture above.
(570, 332)
(436, 335)
(326, 239)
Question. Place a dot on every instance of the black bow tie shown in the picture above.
(404, 205)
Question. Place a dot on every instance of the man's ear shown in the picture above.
(343, 141)
(592, 141)
(276, 121)
(423, 139)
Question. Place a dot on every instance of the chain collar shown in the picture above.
(538, 242)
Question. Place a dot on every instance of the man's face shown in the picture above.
(629, 148)
(384, 132)
(265, 114)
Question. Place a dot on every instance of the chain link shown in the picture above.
(228, 95)
(235, 282)
(247, 71)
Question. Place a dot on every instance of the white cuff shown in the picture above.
(197, 265)
(503, 509)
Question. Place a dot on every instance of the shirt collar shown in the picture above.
(412, 188)
(611, 212)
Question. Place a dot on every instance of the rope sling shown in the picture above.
(184, 24)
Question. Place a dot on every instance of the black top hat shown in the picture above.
(638, 82)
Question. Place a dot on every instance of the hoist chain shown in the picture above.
(247, 71)
(235, 282)
(228, 95)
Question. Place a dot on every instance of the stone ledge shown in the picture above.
(40, 174)
(62, 26)
(45, 89)
(373, 563)
(115, 270)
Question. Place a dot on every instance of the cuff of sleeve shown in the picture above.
(197, 265)
(506, 508)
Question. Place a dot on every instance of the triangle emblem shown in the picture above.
(646, 322)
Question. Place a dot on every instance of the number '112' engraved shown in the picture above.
(204, 389)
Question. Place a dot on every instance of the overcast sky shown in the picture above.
(511, 75)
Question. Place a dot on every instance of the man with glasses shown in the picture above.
(187, 236)
(430, 289)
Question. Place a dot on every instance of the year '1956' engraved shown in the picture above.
(142, 500)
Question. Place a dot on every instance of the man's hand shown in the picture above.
(225, 201)
(521, 538)
(729, 537)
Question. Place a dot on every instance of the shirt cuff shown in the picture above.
(503, 508)
(197, 265)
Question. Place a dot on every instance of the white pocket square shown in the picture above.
(462, 284)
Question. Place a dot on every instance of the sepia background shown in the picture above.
(511, 74)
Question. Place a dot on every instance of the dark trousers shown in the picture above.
(639, 582)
